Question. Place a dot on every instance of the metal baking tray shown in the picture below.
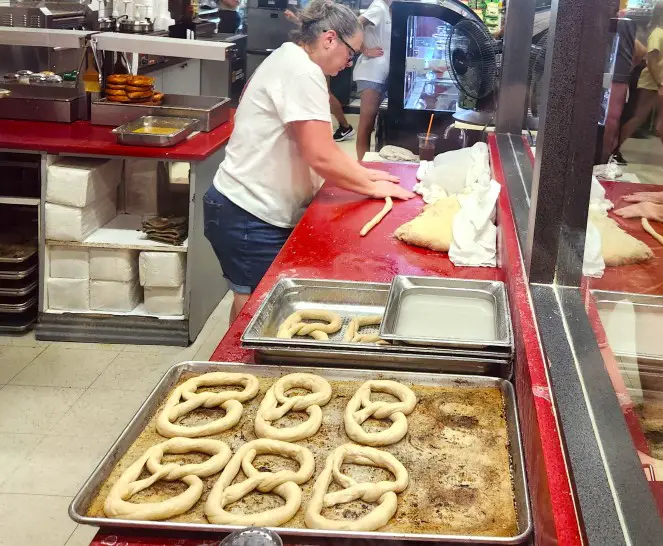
(209, 111)
(17, 271)
(17, 304)
(16, 252)
(20, 287)
(17, 323)
(351, 299)
(85, 497)
(492, 291)
(182, 128)
(632, 324)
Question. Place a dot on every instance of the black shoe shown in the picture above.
(344, 133)
(619, 158)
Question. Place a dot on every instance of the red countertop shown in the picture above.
(326, 244)
(82, 137)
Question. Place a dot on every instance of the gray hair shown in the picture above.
(323, 15)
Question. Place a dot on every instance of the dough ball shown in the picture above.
(432, 228)
(618, 247)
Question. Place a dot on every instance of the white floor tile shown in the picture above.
(34, 520)
(94, 346)
(14, 359)
(82, 536)
(14, 450)
(60, 367)
(100, 411)
(59, 465)
(23, 340)
(34, 410)
(134, 372)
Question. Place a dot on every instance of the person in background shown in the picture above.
(372, 69)
(344, 131)
(231, 19)
(630, 53)
(650, 93)
(281, 149)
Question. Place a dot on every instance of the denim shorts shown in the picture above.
(362, 85)
(245, 245)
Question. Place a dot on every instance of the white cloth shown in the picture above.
(593, 264)
(453, 172)
(474, 240)
(264, 172)
(377, 34)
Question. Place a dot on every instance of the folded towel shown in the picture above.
(169, 230)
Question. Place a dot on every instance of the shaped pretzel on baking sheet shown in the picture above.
(294, 325)
(270, 410)
(383, 493)
(186, 398)
(361, 407)
(284, 483)
(117, 504)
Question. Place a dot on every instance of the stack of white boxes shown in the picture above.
(68, 285)
(114, 282)
(162, 275)
(81, 196)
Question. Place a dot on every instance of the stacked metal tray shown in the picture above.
(18, 285)
(354, 299)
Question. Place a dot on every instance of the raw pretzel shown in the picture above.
(384, 492)
(352, 332)
(294, 325)
(284, 483)
(649, 229)
(128, 484)
(388, 204)
(229, 401)
(270, 410)
(360, 408)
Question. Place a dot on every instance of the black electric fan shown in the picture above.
(473, 64)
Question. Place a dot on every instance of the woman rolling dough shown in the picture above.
(282, 147)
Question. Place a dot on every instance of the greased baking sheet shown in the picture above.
(462, 452)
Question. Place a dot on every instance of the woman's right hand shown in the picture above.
(373, 52)
(642, 196)
(384, 188)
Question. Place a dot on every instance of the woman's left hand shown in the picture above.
(376, 174)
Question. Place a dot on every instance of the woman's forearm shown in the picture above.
(343, 171)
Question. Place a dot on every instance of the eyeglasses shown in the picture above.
(353, 53)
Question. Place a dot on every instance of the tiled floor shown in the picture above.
(645, 158)
(61, 407)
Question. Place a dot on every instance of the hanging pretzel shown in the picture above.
(353, 335)
(284, 483)
(360, 408)
(270, 410)
(229, 401)
(117, 504)
(383, 493)
(294, 325)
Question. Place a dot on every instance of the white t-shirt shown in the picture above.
(378, 34)
(263, 171)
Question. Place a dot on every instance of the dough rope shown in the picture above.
(229, 401)
(270, 410)
(284, 483)
(360, 408)
(388, 204)
(649, 229)
(294, 325)
(353, 335)
(117, 504)
(383, 492)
